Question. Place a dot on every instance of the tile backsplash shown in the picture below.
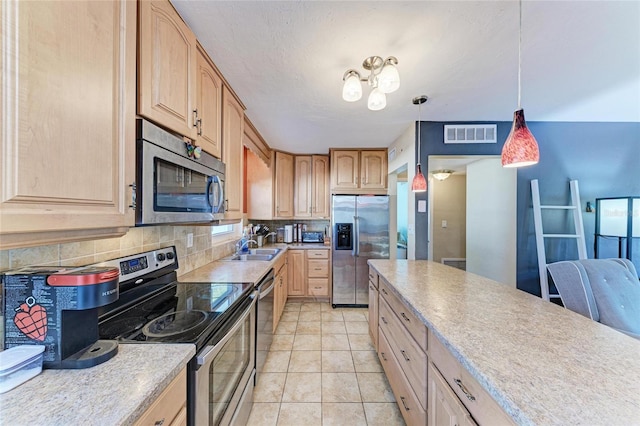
(203, 251)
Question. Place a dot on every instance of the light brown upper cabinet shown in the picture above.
(68, 120)
(311, 198)
(283, 187)
(359, 171)
(208, 106)
(232, 133)
(167, 68)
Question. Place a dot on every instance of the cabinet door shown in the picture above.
(445, 409)
(320, 192)
(302, 187)
(208, 107)
(167, 68)
(283, 187)
(373, 169)
(233, 129)
(345, 168)
(297, 275)
(373, 314)
(68, 120)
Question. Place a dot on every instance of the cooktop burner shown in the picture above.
(174, 323)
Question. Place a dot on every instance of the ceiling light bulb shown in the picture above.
(352, 89)
(377, 100)
(389, 79)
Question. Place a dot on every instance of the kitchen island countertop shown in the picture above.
(543, 364)
(116, 392)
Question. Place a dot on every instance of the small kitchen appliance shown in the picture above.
(288, 233)
(219, 318)
(57, 307)
(312, 237)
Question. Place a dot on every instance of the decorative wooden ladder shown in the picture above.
(540, 235)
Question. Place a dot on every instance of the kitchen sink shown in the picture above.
(254, 254)
(273, 251)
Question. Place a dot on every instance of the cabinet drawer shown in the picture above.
(411, 410)
(475, 399)
(317, 268)
(417, 329)
(318, 286)
(373, 277)
(410, 356)
(169, 404)
(317, 254)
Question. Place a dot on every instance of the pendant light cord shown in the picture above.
(419, 141)
(519, 55)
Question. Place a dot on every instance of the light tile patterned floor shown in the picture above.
(322, 370)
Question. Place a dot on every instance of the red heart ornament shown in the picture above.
(32, 321)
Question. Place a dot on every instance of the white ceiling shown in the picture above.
(286, 59)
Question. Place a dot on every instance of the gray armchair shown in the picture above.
(605, 290)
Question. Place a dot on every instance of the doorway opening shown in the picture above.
(472, 216)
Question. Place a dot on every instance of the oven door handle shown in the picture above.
(211, 351)
(264, 293)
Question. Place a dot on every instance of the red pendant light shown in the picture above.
(419, 183)
(521, 148)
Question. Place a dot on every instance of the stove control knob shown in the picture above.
(169, 255)
(160, 257)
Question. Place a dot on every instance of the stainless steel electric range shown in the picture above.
(219, 318)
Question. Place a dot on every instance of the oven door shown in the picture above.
(175, 189)
(223, 380)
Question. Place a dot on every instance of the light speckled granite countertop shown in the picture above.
(116, 392)
(543, 364)
(235, 271)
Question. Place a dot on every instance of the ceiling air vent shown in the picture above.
(470, 133)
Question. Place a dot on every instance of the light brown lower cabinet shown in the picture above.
(280, 288)
(484, 409)
(408, 402)
(309, 273)
(373, 307)
(171, 406)
(445, 409)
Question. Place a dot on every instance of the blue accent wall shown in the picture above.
(603, 157)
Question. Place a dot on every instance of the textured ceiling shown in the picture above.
(286, 59)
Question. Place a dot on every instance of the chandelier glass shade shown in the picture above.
(383, 78)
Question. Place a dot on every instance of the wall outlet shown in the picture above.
(444, 223)
(189, 240)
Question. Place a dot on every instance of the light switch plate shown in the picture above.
(422, 206)
(189, 240)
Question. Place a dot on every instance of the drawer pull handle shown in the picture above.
(404, 404)
(404, 354)
(464, 390)
(370, 287)
(159, 422)
(385, 291)
(405, 317)
(317, 269)
(384, 358)
(384, 320)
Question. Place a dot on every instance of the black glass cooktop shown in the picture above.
(175, 313)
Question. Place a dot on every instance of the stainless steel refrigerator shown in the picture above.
(360, 232)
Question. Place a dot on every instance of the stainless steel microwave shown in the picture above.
(171, 186)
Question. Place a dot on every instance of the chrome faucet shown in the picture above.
(273, 240)
(240, 244)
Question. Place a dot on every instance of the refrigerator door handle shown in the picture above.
(356, 236)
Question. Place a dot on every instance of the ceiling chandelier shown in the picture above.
(383, 77)
(521, 148)
(419, 183)
(441, 174)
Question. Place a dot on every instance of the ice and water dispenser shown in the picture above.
(344, 236)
